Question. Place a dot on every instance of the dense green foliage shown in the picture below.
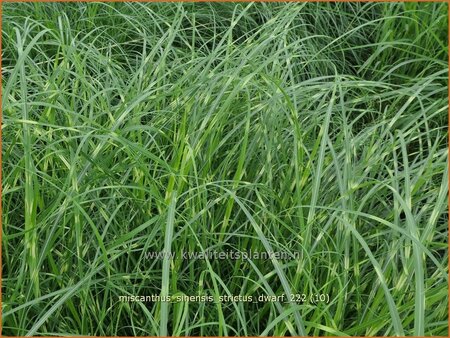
(314, 129)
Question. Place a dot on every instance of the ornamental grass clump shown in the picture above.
(299, 148)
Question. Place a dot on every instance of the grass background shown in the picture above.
(310, 128)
